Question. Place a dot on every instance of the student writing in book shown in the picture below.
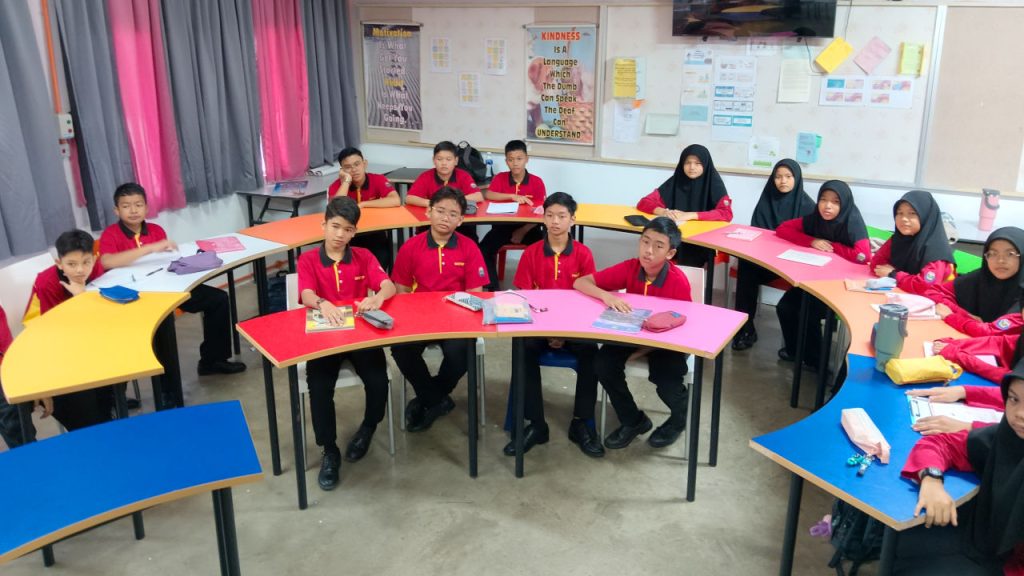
(369, 191)
(445, 174)
(556, 262)
(334, 275)
(986, 301)
(835, 227)
(782, 199)
(438, 260)
(985, 536)
(695, 191)
(918, 255)
(515, 185)
(651, 273)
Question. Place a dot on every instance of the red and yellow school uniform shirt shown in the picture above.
(374, 187)
(343, 280)
(670, 282)
(48, 292)
(423, 264)
(427, 183)
(540, 267)
(119, 238)
(531, 186)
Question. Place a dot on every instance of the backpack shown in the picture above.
(277, 292)
(856, 537)
(472, 161)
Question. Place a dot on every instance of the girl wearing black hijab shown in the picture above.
(694, 192)
(986, 302)
(783, 198)
(836, 226)
(993, 535)
(918, 255)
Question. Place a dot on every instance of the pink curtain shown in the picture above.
(146, 98)
(284, 90)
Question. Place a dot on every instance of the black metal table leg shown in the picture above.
(233, 301)
(474, 425)
(709, 279)
(121, 410)
(518, 395)
(227, 538)
(826, 351)
(268, 391)
(263, 212)
(259, 272)
(796, 491)
(300, 459)
(248, 200)
(887, 561)
(798, 360)
(716, 409)
(694, 424)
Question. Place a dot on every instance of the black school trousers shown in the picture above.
(788, 311)
(665, 370)
(322, 375)
(586, 378)
(431, 390)
(378, 243)
(216, 311)
(749, 279)
(500, 235)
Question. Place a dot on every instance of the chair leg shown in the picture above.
(138, 396)
(391, 422)
(729, 299)
(604, 411)
(401, 408)
(482, 379)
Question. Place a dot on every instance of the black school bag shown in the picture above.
(856, 537)
(472, 161)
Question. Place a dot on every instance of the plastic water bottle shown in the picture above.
(489, 160)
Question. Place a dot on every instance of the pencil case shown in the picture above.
(921, 370)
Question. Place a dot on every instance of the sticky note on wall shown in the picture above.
(911, 59)
(834, 54)
(807, 145)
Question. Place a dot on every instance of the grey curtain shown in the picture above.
(212, 65)
(103, 154)
(35, 206)
(333, 120)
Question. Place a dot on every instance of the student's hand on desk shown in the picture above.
(940, 509)
(942, 310)
(883, 270)
(687, 216)
(556, 343)
(73, 287)
(677, 215)
(47, 406)
(618, 304)
(938, 346)
(332, 313)
(523, 199)
(166, 245)
(943, 394)
(369, 303)
(939, 425)
(823, 245)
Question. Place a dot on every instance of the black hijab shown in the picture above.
(981, 293)
(700, 194)
(774, 207)
(847, 228)
(911, 253)
(997, 455)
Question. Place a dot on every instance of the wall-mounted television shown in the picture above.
(736, 18)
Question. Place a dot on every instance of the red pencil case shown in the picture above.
(663, 321)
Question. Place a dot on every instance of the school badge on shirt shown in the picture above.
(480, 271)
(1003, 323)
(861, 257)
(929, 277)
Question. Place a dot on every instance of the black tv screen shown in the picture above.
(735, 18)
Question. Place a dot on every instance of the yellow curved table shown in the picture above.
(84, 343)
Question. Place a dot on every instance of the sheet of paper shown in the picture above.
(929, 351)
(641, 78)
(794, 81)
(912, 316)
(807, 145)
(762, 46)
(763, 151)
(624, 78)
(920, 407)
(834, 54)
(469, 89)
(859, 286)
(843, 91)
(495, 56)
(732, 117)
(695, 98)
(626, 122)
(747, 234)
(661, 124)
(222, 244)
(911, 59)
(872, 55)
(890, 92)
(440, 55)
(805, 257)
(502, 207)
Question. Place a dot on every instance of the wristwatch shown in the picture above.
(319, 302)
(931, 472)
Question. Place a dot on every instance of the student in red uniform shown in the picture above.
(369, 191)
(782, 199)
(651, 273)
(965, 351)
(10, 421)
(131, 238)
(438, 260)
(556, 262)
(75, 267)
(333, 275)
(987, 536)
(918, 255)
(515, 185)
(835, 227)
(694, 192)
(986, 302)
(445, 174)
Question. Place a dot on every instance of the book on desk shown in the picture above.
(316, 322)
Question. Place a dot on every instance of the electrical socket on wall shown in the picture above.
(65, 127)
(65, 150)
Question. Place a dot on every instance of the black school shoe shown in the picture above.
(623, 435)
(666, 434)
(330, 469)
(418, 418)
(219, 367)
(581, 435)
(533, 434)
(745, 339)
(359, 444)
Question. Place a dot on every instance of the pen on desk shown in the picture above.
(154, 271)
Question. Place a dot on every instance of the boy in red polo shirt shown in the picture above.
(515, 185)
(131, 238)
(369, 191)
(445, 174)
(75, 267)
(333, 274)
(652, 273)
(440, 260)
(556, 262)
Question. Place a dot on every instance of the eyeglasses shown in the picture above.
(447, 215)
(990, 255)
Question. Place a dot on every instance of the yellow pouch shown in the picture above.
(921, 370)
